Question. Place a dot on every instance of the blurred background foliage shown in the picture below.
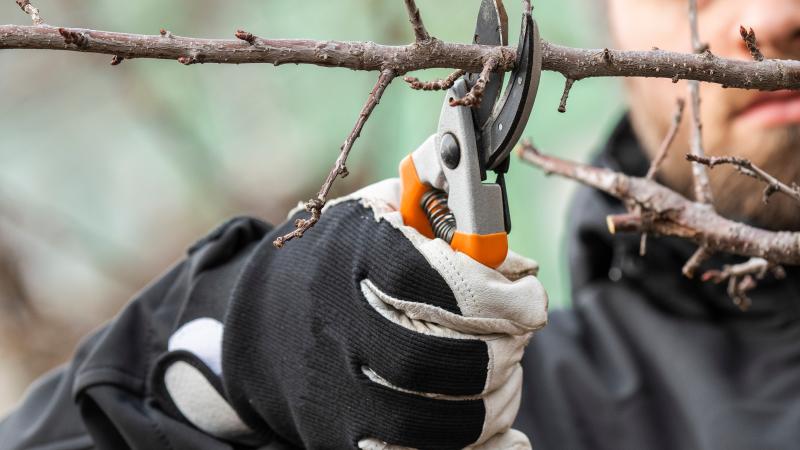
(109, 173)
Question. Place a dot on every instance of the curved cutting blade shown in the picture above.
(501, 133)
(491, 29)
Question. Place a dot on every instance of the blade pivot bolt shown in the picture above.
(451, 152)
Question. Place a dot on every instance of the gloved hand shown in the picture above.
(366, 334)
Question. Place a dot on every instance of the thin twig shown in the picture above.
(746, 167)
(435, 85)
(749, 37)
(474, 96)
(700, 256)
(663, 151)
(702, 185)
(31, 10)
(562, 106)
(315, 205)
(743, 278)
(575, 63)
(697, 45)
(415, 18)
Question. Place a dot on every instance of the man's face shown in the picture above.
(763, 127)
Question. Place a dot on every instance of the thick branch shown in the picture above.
(315, 205)
(578, 64)
(573, 63)
(353, 55)
(665, 212)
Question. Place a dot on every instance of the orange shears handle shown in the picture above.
(488, 249)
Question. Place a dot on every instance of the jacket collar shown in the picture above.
(596, 255)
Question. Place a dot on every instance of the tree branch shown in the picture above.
(315, 205)
(702, 185)
(578, 64)
(435, 85)
(562, 105)
(749, 37)
(474, 96)
(746, 167)
(573, 63)
(744, 277)
(677, 118)
(667, 213)
(415, 18)
(31, 10)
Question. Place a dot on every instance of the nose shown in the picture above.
(777, 27)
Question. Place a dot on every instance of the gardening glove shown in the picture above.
(362, 334)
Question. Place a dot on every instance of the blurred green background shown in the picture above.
(109, 173)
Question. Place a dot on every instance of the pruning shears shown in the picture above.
(444, 190)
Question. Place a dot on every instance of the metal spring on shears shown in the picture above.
(442, 220)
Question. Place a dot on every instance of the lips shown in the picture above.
(772, 109)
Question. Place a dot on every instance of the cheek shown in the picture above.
(643, 24)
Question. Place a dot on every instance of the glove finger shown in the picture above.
(488, 301)
(510, 440)
(421, 362)
(421, 422)
(446, 361)
(500, 406)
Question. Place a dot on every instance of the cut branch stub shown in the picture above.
(562, 106)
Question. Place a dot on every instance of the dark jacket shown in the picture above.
(654, 360)
(645, 359)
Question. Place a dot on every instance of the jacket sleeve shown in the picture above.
(102, 398)
(48, 418)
